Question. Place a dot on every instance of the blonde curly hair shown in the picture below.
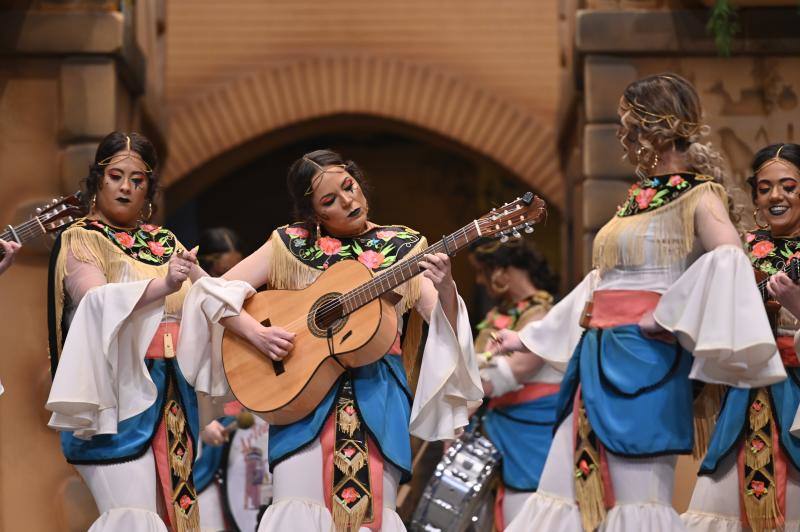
(661, 112)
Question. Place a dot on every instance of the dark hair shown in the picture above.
(299, 181)
(214, 242)
(111, 144)
(520, 253)
(790, 152)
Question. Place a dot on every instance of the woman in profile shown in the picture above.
(522, 391)
(671, 299)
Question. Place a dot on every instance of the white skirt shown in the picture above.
(642, 489)
(298, 496)
(715, 501)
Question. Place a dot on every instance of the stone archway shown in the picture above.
(229, 115)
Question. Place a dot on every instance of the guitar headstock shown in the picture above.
(512, 218)
(60, 212)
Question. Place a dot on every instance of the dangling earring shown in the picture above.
(319, 233)
(655, 161)
(93, 203)
(755, 217)
(497, 288)
(149, 211)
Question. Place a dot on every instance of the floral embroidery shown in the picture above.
(757, 445)
(147, 243)
(348, 452)
(185, 502)
(506, 318)
(653, 192)
(769, 254)
(584, 469)
(757, 488)
(349, 495)
(377, 249)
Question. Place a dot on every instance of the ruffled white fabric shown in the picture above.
(695, 521)
(200, 345)
(548, 512)
(209, 501)
(312, 516)
(102, 378)
(501, 377)
(128, 519)
(449, 381)
(555, 336)
(714, 309)
(653, 517)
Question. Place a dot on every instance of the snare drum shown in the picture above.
(458, 498)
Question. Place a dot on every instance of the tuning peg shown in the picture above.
(503, 238)
(528, 228)
(37, 210)
(515, 233)
(54, 201)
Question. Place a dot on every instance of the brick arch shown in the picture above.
(253, 105)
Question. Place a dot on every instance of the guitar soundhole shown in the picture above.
(326, 313)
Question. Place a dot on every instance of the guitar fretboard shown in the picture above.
(22, 233)
(402, 272)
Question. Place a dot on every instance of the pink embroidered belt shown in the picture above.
(530, 392)
(612, 308)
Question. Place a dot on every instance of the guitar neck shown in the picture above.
(792, 270)
(24, 232)
(400, 273)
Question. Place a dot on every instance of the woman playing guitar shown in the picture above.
(751, 473)
(340, 465)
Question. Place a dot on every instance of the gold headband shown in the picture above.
(317, 177)
(777, 159)
(685, 128)
(115, 158)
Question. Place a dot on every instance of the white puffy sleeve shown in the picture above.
(715, 311)
(555, 336)
(102, 378)
(449, 381)
(200, 344)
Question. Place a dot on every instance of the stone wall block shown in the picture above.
(88, 98)
(604, 80)
(600, 201)
(75, 161)
(602, 153)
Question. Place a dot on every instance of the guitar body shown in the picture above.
(286, 392)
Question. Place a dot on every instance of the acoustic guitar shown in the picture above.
(773, 308)
(345, 319)
(48, 219)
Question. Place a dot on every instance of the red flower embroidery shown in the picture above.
(349, 410)
(522, 305)
(371, 259)
(757, 406)
(124, 239)
(749, 237)
(386, 235)
(150, 228)
(348, 452)
(584, 467)
(644, 197)
(329, 246)
(756, 445)
(299, 232)
(174, 409)
(758, 488)
(762, 249)
(185, 502)
(676, 180)
(502, 321)
(180, 452)
(349, 495)
(156, 248)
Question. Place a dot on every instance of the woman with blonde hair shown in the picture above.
(671, 299)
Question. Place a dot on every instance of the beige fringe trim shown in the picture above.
(621, 240)
(352, 465)
(187, 521)
(763, 514)
(706, 409)
(349, 519)
(94, 248)
(589, 489)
